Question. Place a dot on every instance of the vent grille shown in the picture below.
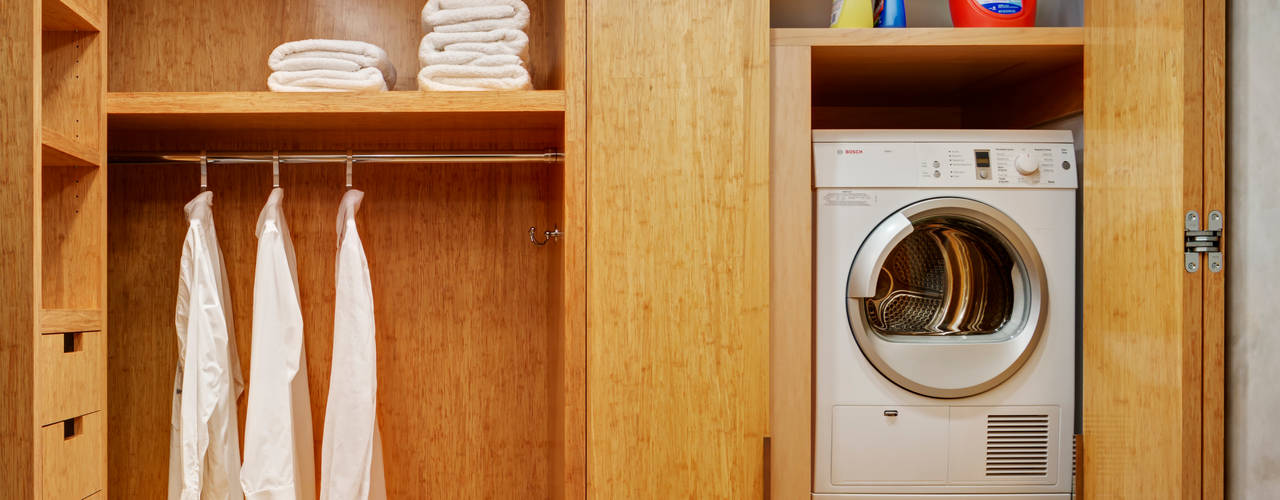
(1017, 445)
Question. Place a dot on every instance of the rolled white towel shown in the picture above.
(365, 54)
(326, 80)
(505, 41)
(471, 77)
(459, 16)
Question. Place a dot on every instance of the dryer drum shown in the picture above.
(948, 277)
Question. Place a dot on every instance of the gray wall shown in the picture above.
(1253, 262)
(920, 13)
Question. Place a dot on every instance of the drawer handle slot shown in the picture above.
(72, 342)
(72, 427)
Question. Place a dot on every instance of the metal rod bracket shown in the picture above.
(548, 236)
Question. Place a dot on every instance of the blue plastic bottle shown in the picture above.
(890, 14)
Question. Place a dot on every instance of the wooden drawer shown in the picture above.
(72, 375)
(74, 458)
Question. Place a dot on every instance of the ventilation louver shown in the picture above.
(1017, 445)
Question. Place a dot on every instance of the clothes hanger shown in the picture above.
(348, 169)
(204, 171)
(275, 169)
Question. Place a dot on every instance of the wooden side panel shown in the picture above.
(192, 45)
(568, 358)
(19, 247)
(74, 199)
(791, 271)
(71, 457)
(1142, 322)
(461, 302)
(678, 280)
(1215, 106)
(72, 89)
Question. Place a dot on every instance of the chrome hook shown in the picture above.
(553, 235)
(348, 169)
(275, 169)
(204, 171)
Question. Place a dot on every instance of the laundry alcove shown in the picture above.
(479, 332)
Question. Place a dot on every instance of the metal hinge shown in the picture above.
(1206, 242)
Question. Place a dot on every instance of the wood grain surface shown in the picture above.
(72, 82)
(791, 271)
(678, 278)
(188, 45)
(73, 214)
(19, 245)
(1215, 170)
(71, 320)
(462, 301)
(72, 15)
(71, 465)
(71, 382)
(1142, 311)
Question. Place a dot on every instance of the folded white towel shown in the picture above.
(295, 63)
(471, 77)
(365, 54)
(325, 80)
(456, 57)
(459, 16)
(507, 41)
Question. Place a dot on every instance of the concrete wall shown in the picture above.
(1253, 251)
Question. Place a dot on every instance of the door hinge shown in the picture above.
(1208, 241)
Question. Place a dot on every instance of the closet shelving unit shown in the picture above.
(481, 334)
(824, 78)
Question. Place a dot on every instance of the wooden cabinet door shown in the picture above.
(677, 248)
(1152, 394)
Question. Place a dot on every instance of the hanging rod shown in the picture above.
(232, 158)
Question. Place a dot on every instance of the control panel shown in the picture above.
(935, 164)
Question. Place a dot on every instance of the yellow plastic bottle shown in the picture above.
(852, 14)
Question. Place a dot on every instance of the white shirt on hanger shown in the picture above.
(351, 455)
(279, 460)
(204, 448)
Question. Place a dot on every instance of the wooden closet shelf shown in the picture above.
(327, 111)
(68, 15)
(957, 67)
(59, 150)
(70, 320)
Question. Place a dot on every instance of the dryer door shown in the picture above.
(947, 297)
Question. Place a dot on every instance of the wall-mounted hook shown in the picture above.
(204, 171)
(275, 169)
(549, 236)
(348, 169)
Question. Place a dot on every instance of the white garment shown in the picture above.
(327, 80)
(367, 55)
(204, 448)
(351, 456)
(279, 456)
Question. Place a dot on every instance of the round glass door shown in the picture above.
(947, 297)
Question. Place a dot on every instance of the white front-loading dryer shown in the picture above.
(944, 301)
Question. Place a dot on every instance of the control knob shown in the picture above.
(1026, 165)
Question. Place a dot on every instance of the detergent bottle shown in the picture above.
(993, 13)
(851, 14)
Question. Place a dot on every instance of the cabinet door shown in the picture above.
(677, 251)
(1152, 330)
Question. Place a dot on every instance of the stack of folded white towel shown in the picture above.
(330, 66)
(474, 45)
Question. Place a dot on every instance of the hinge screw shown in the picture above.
(1215, 267)
(1215, 216)
(1191, 267)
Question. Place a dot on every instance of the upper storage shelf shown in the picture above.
(69, 15)
(1010, 77)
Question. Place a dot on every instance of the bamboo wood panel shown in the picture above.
(1215, 106)
(678, 280)
(72, 464)
(1142, 311)
(74, 200)
(72, 15)
(72, 89)
(19, 244)
(71, 383)
(791, 272)
(463, 310)
(189, 45)
(70, 320)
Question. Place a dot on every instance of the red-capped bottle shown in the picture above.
(993, 13)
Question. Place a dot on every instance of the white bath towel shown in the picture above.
(365, 54)
(310, 63)
(497, 42)
(324, 80)
(471, 77)
(471, 58)
(461, 16)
